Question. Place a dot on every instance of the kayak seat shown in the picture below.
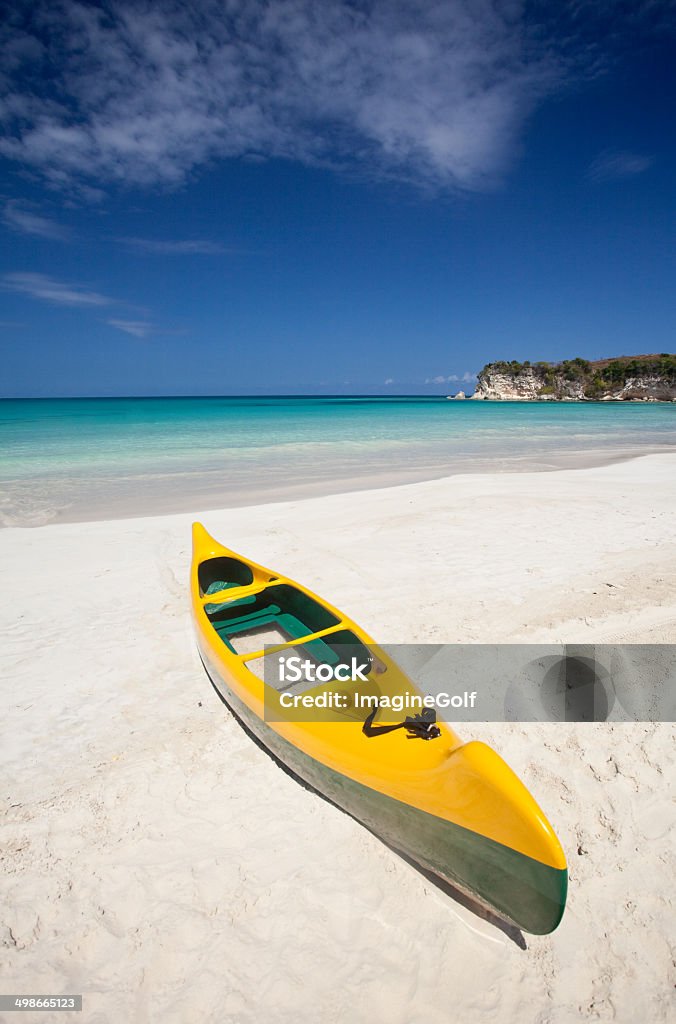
(294, 614)
(287, 624)
(213, 588)
(243, 622)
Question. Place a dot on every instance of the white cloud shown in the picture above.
(390, 380)
(21, 218)
(611, 166)
(177, 247)
(466, 378)
(434, 93)
(40, 286)
(137, 328)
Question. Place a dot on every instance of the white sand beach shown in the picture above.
(156, 860)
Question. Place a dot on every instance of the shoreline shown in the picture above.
(540, 527)
(214, 498)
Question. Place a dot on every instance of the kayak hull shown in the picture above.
(454, 808)
(523, 891)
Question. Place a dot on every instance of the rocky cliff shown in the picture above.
(627, 378)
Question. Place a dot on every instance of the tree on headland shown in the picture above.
(597, 378)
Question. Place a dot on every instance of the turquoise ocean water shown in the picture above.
(81, 458)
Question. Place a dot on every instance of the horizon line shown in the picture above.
(112, 398)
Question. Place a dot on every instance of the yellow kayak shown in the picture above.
(455, 808)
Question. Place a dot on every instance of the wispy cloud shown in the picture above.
(466, 378)
(176, 247)
(137, 328)
(612, 166)
(434, 93)
(40, 286)
(22, 218)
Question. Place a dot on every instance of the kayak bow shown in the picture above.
(455, 808)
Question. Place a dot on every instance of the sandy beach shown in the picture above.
(156, 860)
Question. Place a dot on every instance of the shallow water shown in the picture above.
(95, 458)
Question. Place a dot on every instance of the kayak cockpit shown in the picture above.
(254, 619)
(281, 608)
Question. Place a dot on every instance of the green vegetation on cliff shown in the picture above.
(571, 369)
(597, 378)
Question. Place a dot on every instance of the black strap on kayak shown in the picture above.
(420, 727)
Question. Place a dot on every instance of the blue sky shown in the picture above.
(379, 197)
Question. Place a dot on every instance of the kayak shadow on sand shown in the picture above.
(509, 930)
